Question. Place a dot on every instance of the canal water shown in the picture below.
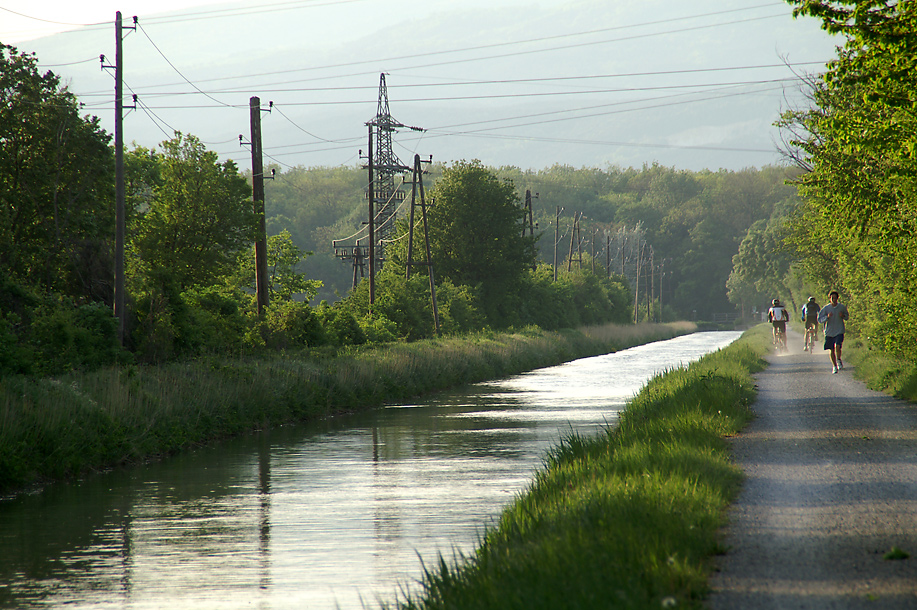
(341, 514)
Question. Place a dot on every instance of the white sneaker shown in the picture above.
(840, 364)
(835, 370)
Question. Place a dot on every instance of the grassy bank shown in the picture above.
(67, 426)
(881, 371)
(625, 519)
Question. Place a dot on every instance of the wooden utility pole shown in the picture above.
(608, 253)
(417, 184)
(623, 244)
(637, 281)
(653, 282)
(372, 223)
(261, 287)
(120, 298)
(557, 212)
(119, 181)
(572, 235)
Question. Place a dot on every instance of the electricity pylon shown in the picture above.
(386, 166)
(383, 193)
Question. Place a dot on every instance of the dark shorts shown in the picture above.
(780, 325)
(812, 324)
(837, 340)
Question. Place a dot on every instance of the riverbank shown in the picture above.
(629, 518)
(59, 428)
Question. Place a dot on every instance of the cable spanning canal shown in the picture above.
(333, 515)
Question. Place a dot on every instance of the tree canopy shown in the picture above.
(476, 230)
(859, 140)
(56, 172)
(199, 215)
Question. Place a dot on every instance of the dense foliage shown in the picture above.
(856, 228)
(690, 222)
(609, 244)
(56, 225)
(56, 174)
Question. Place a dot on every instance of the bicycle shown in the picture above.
(780, 340)
(811, 338)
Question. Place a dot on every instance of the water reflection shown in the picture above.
(325, 516)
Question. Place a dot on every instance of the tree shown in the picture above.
(759, 268)
(56, 184)
(282, 259)
(860, 142)
(199, 216)
(476, 233)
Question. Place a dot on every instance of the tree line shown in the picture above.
(190, 229)
(842, 217)
(855, 146)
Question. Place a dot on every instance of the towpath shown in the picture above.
(831, 488)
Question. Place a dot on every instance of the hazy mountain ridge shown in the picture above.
(296, 47)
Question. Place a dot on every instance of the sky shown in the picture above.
(691, 84)
(30, 19)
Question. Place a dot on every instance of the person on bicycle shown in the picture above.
(810, 318)
(777, 315)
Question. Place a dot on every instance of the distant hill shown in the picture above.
(285, 56)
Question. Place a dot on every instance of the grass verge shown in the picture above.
(624, 519)
(57, 428)
(881, 371)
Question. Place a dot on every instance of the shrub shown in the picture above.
(379, 329)
(65, 337)
(219, 321)
(293, 324)
(341, 327)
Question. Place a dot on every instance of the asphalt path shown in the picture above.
(831, 488)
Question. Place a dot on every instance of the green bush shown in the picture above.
(164, 324)
(293, 324)
(219, 318)
(65, 337)
(14, 357)
(341, 327)
(379, 329)
(458, 311)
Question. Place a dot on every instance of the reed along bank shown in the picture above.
(624, 519)
(74, 424)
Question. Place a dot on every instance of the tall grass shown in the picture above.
(66, 426)
(624, 519)
(882, 371)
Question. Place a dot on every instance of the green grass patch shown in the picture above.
(881, 371)
(55, 428)
(896, 554)
(624, 519)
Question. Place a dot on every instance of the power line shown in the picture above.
(504, 95)
(509, 43)
(177, 71)
(48, 20)
(546, 79)
(433, 130)
(187, 17)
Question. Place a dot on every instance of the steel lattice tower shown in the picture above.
(383, 194)
(386, 165)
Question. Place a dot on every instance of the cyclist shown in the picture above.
(777, 315)
(810, 318)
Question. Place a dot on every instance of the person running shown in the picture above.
(833, 316)
(810, 318)
(777, 315)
